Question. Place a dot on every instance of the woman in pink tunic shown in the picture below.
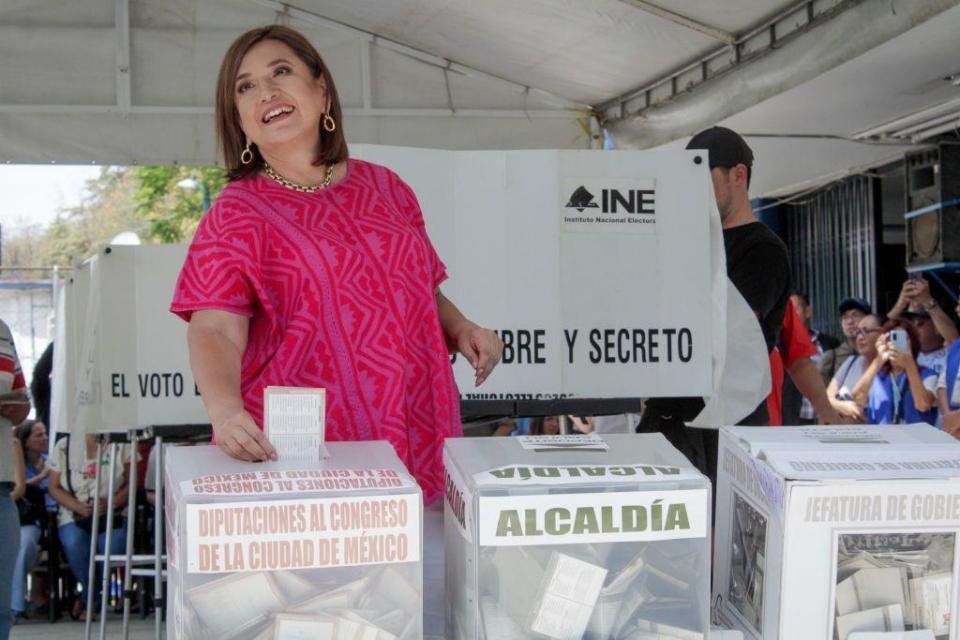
(314, 270)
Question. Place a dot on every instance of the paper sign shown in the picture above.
(294, 481)
(457, 499)
(518, 474)
(621, 516)
(591, 442)
(293, 421)
(302, 534)
(849, 464)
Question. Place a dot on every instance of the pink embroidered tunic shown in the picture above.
(339, 289)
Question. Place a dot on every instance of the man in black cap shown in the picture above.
(852, 311)
(758, 266)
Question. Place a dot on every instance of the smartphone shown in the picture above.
(916, 276)
(899, 340)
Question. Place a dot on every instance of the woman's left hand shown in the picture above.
(482, 349)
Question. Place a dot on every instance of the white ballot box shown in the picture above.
(837, 532)
(284, 550)
(569, 537)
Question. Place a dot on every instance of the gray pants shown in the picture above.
(10, 545)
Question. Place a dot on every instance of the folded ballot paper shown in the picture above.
(232, 606)
(568, 593)
(889, 618)
(294, 422)
(282, 605)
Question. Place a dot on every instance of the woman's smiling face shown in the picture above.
(278, 98)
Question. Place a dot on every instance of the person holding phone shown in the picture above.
(935, 329)
(948, 391)
(895, 389)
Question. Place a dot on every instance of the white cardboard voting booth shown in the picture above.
(595, 267)
(838, 532)
(133, 368)
(284, 550)
(569, 537)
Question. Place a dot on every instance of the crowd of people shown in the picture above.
(888, 369)
(53, 495)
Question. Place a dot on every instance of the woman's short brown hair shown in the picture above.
(332, 147)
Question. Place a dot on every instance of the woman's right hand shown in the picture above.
(241, 438)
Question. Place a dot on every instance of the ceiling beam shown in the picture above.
(683, 21)
(413, 52)
(826, 40)
(80, 109)
(760, 39)
(122, 38)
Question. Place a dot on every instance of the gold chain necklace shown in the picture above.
(289, 184)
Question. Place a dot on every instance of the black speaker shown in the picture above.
(933, 183)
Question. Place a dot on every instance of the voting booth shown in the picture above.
(126, 354)
(286, 550)
(567, 537)
(847, 532)
(596, 268)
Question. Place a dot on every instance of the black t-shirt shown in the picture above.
(759, 268)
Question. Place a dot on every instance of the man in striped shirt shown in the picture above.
(14, 407)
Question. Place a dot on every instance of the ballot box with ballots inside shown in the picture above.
(569, 537)
(286, 550)
(838, 532)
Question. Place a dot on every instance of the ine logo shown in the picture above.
(582, 199)
(635, 201)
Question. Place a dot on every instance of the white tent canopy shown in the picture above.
(131, 81)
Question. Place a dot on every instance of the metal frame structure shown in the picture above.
(754, 44)
(832, 238)
(565, 109)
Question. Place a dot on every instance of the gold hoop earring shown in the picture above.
(246, 156)
(329, 124)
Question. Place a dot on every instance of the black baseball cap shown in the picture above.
(725, 146)
(855, 303)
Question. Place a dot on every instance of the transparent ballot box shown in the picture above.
(843, 532)
(569, 537)
(289, 550)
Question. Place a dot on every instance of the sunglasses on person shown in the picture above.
(865, 332)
